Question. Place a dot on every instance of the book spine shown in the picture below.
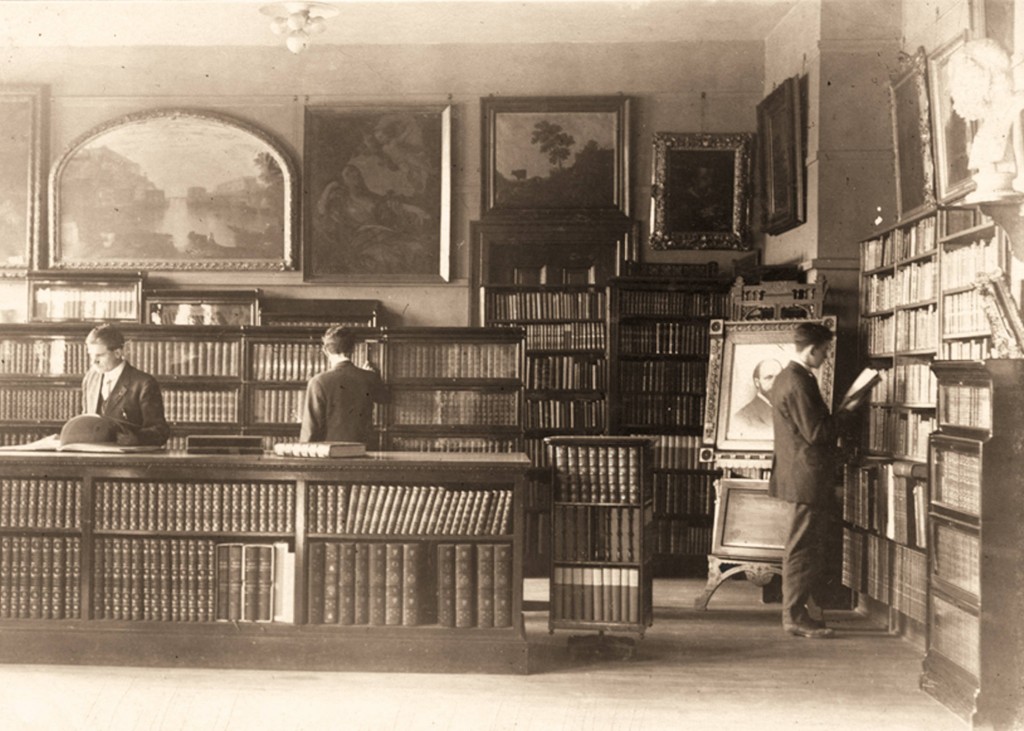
(465, 595)
(315, 583)
(485, 585)
(378, 583)
(503, 585)
(265, 592)
(361, 591)
(346, 583)
(393, 585)
(446, 585)
(330, 583)
(413, 587)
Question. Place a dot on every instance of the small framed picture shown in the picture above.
(951, 132)
(701, 191)
(555, 157)
(196, 307)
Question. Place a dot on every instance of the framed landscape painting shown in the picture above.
(173, 189)
(555, 157)
(744, 359)
(377, 194)
(700, 194)
(22, 156)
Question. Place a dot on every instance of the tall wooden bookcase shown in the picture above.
(602, 512)
(920, 305)
(658, 355)
(975, 656)
(549, 278)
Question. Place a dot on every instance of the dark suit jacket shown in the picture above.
(805, 439)
(135, 399)
(339, 405)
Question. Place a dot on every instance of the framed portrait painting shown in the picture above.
(700, 194)
(22, 156)
(912, 138)
(377, 198)
(952, 134)
(745, 358)
(555, 157)
(780, 138)
(173, 189)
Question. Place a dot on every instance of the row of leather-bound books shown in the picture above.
(265, 507)
(39, 577)
(192, 580)
(597, 533)
(408, 510)
(455, 407)
(453, 360)
(597, 473)
(40, 503)
(680, 536)
(538, 305)
(663, 375)
(673, 304)
(662, 409)
(40, 403)
(678, 493)
(460, 585)
(663, 338)
(596, 594)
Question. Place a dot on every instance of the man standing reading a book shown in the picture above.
(803, 473)
(118, 391)
(339, 402)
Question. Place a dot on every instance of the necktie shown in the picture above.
(102, 397)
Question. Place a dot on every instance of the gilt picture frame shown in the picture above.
(377, 198)
(912, 138)
(174, 189)
(740, 352)
(23, 154)
(781, 148)
(952, 134)
(555, 157)
(700, 192)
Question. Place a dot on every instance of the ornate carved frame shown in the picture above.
(670, 152)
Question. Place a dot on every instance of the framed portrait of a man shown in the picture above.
(745, 358)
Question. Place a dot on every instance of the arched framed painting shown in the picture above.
(173, 189)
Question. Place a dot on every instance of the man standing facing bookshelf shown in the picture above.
(339, 402)
(803, 473)
(116, 390)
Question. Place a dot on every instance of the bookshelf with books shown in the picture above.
(453, 389)
(602, 514)
(886, 492)
(658, 354)
(85, 296)
(975, 654)
(565, 380)
(398, 562)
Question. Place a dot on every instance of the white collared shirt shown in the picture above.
(109, 379)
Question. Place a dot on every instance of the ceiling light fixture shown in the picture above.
(297, 21)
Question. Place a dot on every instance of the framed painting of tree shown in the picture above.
(555, 157)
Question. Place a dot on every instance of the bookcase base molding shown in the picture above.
(264, 647)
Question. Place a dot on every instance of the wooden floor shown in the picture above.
(731, 667)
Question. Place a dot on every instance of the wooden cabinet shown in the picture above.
(975, 655)
(602, 512)
(397, 561)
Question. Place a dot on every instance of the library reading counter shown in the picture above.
(392, 561)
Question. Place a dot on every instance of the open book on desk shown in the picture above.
(52, 444)
(863, 383)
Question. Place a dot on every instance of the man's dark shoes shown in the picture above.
(810, 631)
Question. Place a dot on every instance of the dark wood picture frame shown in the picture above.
(23, 154)
(780, 143)
(749, 523)
(701, 191)
(555, 157)
(952, 134)
(377, 200)
(174, 189)
(912, 138)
